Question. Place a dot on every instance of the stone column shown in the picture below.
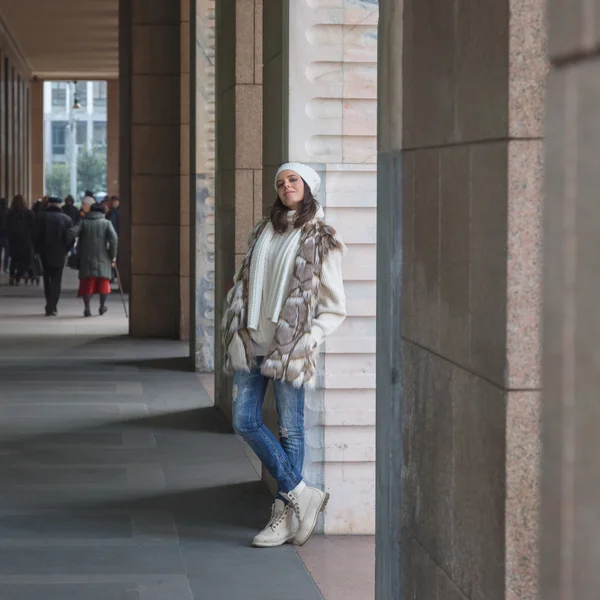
(125, 109)
(37, 140)
(152, 122)
(203, 186)
(239, 157)
(184, 171)
(112, 136)
(571, 418)
(460, 202)
(320, 108)
(3, 131)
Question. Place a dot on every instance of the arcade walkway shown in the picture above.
(120, 482)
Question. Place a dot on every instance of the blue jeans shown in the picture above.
(284, 458)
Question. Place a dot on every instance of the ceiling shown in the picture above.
(65, 39)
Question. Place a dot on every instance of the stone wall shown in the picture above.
(465, 164)
(325, 55)
(571, 458)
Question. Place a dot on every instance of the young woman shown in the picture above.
(97, 249)
(20, 224)
(287, 296)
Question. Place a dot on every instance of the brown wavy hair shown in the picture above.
(306, 212)
(18, 204)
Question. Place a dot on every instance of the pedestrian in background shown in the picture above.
(52, 244)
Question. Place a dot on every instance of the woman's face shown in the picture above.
(86, 207)
(290, 189)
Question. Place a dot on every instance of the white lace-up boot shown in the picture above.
(308, 502)
(279, 530)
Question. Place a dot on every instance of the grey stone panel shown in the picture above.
(68, 526)
(142, 559)
(70, 591)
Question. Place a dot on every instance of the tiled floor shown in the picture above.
(121, 482)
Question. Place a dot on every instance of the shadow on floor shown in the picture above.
(206, 420)
(180, 364)
(210, 420)
(198, 513)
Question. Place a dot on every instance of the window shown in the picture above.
(81, 133)
(99, 90)
(59, 94)
(82, 92)
(59, 137)
(99, 136)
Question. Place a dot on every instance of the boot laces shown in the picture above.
(294, 503)
(278, 519)
(273, 516)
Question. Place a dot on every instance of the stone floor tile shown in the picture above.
(343, 567)
(120, 481)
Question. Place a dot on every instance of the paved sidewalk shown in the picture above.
(119, 480)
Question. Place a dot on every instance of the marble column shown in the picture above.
(37, 140)
(202, 182)
(239, 155)
(460, 205)
(319, 98)
(571, 455)
(150, 151)
(112, 136)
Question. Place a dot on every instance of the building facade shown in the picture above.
(74, 106)
(90, 119)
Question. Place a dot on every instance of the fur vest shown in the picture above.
(293, 353)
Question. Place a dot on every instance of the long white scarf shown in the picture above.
(282, 272)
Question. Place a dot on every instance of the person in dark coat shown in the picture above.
(114, 213)
(70, 209)
(38, 207)
(52, 244)
(20, 224)
(4, 259)
(97, 249)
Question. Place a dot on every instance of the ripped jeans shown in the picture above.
(284, 458)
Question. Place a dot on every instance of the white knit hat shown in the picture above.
(88, 200)
(307, 173)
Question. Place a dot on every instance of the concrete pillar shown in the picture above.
(37, 139)
(112, 136)
(239, 155)
(150, 105)
(460, 205)
(571, 459)
(319, 107)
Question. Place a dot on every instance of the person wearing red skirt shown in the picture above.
(97, 248)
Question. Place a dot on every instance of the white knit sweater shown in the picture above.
(270, 274)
